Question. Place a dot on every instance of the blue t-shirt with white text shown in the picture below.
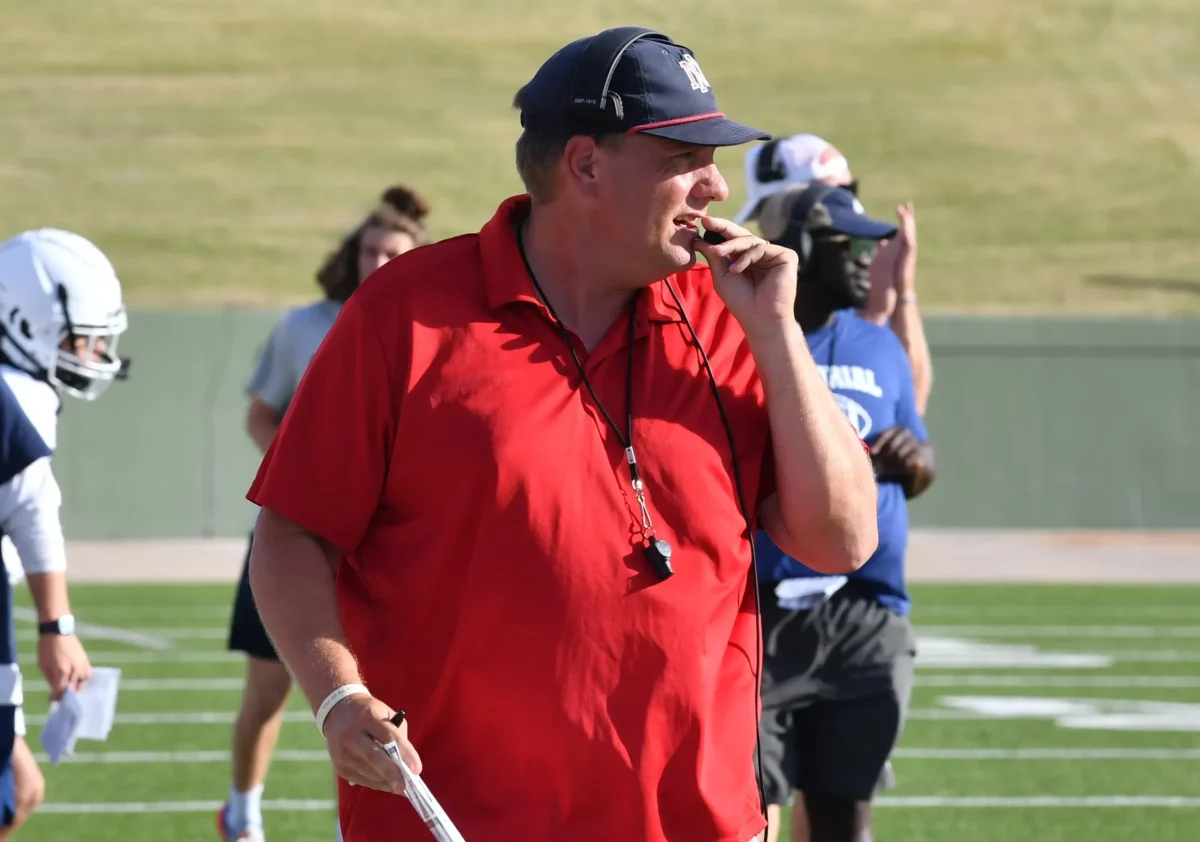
(868, 371)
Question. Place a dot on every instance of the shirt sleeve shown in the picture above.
(274, 379)
(326, 467)
(29, 515)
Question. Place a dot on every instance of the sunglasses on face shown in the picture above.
(857, 248)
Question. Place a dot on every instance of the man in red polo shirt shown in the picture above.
(510, 496)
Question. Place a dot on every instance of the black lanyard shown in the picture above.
(657, 551)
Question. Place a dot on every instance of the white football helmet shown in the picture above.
(55, 289)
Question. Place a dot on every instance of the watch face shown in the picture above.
(66, 624)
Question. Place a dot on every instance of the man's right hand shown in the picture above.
(907, 215)
(63, 662)
(356, 730)
(904, 270)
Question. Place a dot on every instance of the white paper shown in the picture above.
(87, 714)
(62, 726)
(98, 696)
(807, 591)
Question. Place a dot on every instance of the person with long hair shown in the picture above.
(395, 226)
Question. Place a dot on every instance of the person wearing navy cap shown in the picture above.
(516, 493)
(800, 159)
(838, 668)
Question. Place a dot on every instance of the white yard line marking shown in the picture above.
(1154, 656)
(934, 651)
(142, 638)
(1096, 613)
(189, 757)
(1115, 681)
(1099, 714)
(162, 685)
(158, 612)
(936, 714)
(1038, 801)
(163, 634)
(1081, 659)
(175, 656)
(1048, 753)
(189, 718)
(1080, 631)
(175, 806)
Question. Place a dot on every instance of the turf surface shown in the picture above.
(1034, 774)
(217, 148)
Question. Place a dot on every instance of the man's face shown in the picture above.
(842, 265)
(649, 194)
(88, 350)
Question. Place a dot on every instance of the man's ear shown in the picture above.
(580, 159)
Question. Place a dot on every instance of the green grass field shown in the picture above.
(217, 148)
(1121, 764)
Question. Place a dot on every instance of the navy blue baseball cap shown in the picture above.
(848, 216)
(629, 79)
(817, 207)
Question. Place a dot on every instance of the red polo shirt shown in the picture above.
(492, 586)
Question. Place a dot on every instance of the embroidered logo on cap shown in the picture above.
(695, 75)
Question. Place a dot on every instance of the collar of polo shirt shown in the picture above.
(504, 272)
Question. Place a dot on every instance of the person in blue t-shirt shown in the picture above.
(838, 665)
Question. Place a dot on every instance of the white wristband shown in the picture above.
(333, 698)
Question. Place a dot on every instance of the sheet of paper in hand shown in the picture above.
(87, 714)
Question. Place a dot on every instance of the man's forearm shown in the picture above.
(49, 591)
(825, 486)
(263, 434)
(292, 578)
(262, 422)
(907, 325)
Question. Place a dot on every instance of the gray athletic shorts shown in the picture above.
(836, 685)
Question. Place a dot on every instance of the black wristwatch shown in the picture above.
(63, 625)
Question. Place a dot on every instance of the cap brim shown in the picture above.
(861, 226)
(712, 131)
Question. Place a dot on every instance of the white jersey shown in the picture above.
(29, 505)
(40, 402)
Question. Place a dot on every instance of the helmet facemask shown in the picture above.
(87, 362)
